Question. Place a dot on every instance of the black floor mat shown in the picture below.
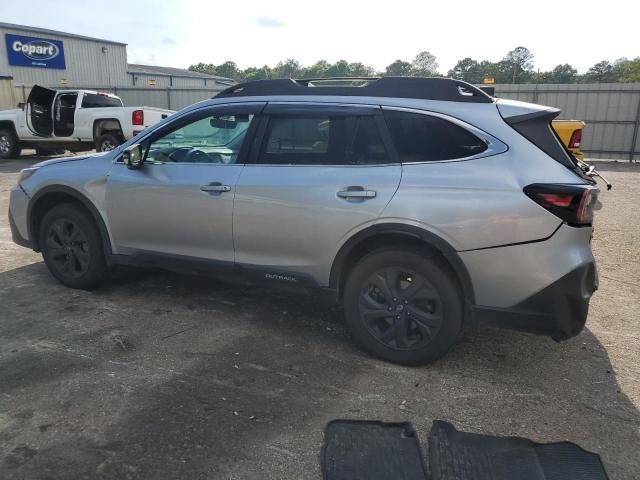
(455, 455)
(359, 450)
(355, 450)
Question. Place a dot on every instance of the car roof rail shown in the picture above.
(424, 88)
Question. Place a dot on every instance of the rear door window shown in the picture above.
(323, 139)
(426, 138)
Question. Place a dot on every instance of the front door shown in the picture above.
(321, 173)
(180, 203)
(38, 111)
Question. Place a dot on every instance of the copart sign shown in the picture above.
(34, 52)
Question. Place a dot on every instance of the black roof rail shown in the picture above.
(425, 88)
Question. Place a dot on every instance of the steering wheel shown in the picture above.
(197, 156)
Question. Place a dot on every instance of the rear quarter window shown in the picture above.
(91, 100)
(426, 138)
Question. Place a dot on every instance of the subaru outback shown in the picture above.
(422, 205)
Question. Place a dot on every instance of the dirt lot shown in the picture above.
(168, 376)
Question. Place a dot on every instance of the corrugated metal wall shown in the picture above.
(85, 62)
(171, 98)
(610, 110)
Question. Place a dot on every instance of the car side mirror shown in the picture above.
(132, 157)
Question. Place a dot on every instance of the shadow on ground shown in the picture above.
(169, 376)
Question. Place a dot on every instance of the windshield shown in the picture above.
(213, 139)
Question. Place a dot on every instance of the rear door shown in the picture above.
(317, 174)
(39, 111)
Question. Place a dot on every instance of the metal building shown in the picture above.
(37, 56)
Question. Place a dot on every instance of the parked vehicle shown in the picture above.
(53, 121)
(421, 205)
(570, 132)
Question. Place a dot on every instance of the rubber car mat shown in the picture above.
(455, 455)
(368, 450)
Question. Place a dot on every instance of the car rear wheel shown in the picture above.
(403, 306)
(9, 145)
(71, 247)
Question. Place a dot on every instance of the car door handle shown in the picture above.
(359, 193)
(215, 187)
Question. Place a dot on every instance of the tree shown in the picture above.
(520, 63)
(228, 69)
(601, 72)
(399, 67)
(468, 70)
(290, 68)
(254, 73)
(627, 71)
(359, 69)
(425, 64)
(208, 68)
(563, 73)
(338, 69)
(317, 70)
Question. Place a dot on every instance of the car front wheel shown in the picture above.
(403, 305)
(71, 247)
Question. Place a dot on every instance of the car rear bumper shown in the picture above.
(559, 310)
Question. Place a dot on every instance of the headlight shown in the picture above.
(26, 173)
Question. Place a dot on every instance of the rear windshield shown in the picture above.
(92, 100)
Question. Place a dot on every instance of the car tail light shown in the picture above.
(137, 117)
(572, 203)
(576, 138)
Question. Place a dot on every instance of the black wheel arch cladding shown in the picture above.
(35, 214)
(410, 233)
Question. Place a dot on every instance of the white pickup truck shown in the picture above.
(53, 121)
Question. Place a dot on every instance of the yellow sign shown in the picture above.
(488, 80)
(63, 81)
(152, 81)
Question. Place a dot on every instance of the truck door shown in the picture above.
(64, 109)
(39, 111)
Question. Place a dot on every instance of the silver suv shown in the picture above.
(422, 205)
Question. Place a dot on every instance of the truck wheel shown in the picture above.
(9, 145)
(107, 142)
(403, 305)
(71, 247)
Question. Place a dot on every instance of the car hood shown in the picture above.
(75, 158)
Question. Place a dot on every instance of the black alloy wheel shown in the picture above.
(403, 304)
(400, 308)
(68, 248)
(72, 246)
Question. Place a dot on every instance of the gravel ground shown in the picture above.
(178, 377)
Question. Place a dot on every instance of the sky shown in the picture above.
(255, 33)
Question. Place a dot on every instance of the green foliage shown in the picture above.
(627, 71)
(399, 67)
(516, 67)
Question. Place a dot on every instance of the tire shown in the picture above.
(107, 142)
(403, 305)
(9, 144)
(71, 247)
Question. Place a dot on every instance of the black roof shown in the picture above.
(399, 87)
